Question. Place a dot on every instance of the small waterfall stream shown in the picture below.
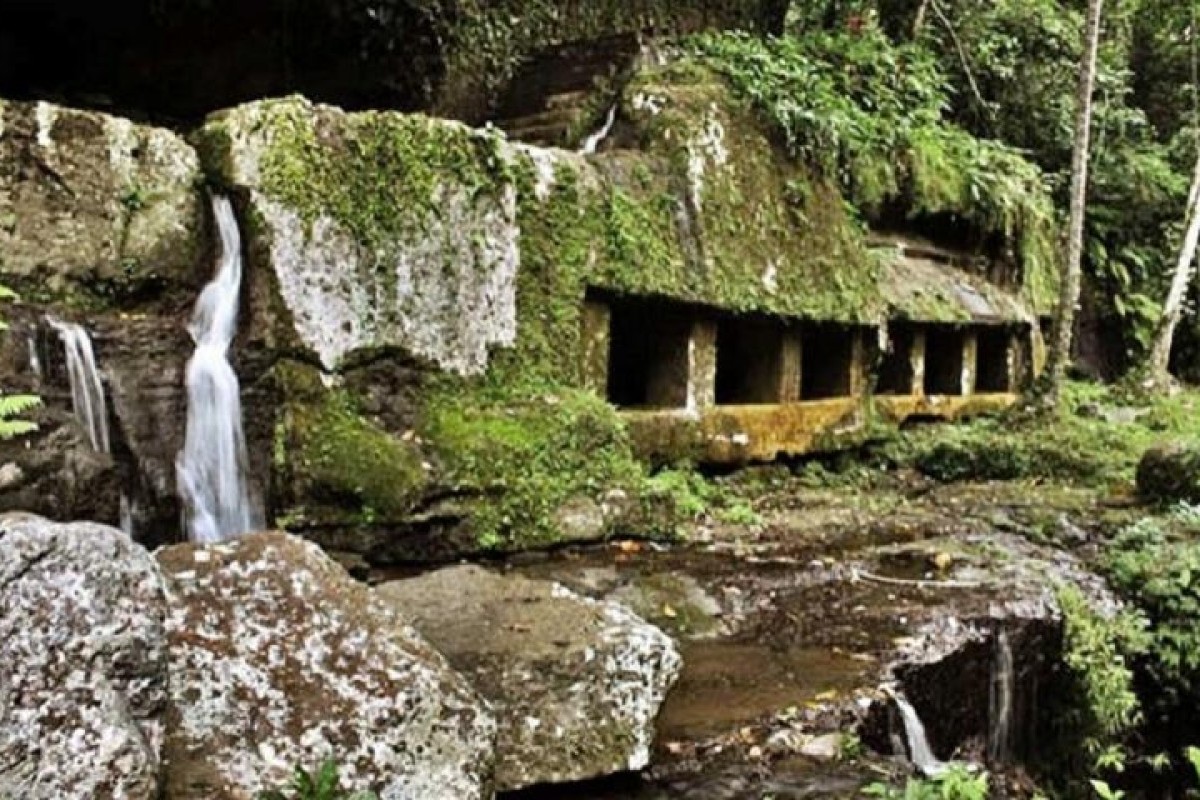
(919, 750)
(87, 392)
(212, 467)
(592, 143)
(1000, 702)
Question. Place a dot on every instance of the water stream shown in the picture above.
(212, 467)
(87, 392)
(919, 751)
(1000, 702)
(592, 143)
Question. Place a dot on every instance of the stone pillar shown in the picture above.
(858, 365)
(791, 366)
(702, 366)
(917, 359)
(970, 362)
(597, 326)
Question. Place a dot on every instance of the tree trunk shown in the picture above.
(1164, 335)
(1072, 269)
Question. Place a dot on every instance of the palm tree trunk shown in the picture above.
(1068, 299)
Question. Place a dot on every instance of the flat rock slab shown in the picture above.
(83, 690)
(576, 683)
(280, 659)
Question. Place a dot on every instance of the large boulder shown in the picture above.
(1170, 472)
(279, 659)
(96, 210)
(353, 266)
(83, 694)
(577, 683)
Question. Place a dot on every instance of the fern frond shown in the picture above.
(12, 428)
(12, 405)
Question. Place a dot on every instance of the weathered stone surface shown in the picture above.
(1170, 472)
(83, 694)
(279, 658)
(577, 683)
(434, 275)
(95, 209)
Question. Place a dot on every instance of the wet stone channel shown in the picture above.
(796, 632)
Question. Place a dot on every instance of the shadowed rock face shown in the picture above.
(83, 695)
(576, 683)
(182, 59)
(278, 658)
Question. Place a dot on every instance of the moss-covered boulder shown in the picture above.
(1170, 472)
(95, 210)
(378, 230)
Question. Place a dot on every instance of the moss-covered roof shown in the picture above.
(704, 208)
(924, 290)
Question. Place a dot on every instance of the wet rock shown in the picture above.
(823, 748)
(577, 683)
(60, 476)
(95, 208)
(279, 658)
(1170, 472)
(83, 696)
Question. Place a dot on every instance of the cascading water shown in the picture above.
(211, 469)
(592, 142)
(919, 751)
(87, 392)
(35, 364)
(1000, 702)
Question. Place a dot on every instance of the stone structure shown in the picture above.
(453, 342)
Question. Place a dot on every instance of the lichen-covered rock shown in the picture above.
(94, 209)
(279, 659)
(1170, 472)
(83, 694)
(577, 683)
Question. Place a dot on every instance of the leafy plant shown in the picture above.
(1096, 650)
(1106, 792)
(14, 406)
(956, 783)
(872, 115)
(322, 785)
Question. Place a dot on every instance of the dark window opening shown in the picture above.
(895, 367)
(648, 362)
(828, 362)
(992, 369)
(749, 362)
(943, 361)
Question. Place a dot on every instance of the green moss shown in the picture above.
(530, 451)
(755, 230)
(333, 463)
(1079, 446)
(377, 173)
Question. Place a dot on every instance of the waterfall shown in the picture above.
(211, 469)
(593, 142)
(87, 393)
(35, 363)
(1000, 701)
(919, 751)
